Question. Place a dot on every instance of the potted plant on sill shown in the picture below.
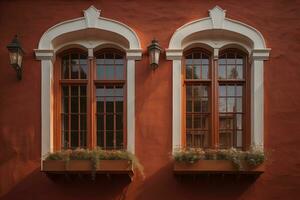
(94, 161)
(196, 160)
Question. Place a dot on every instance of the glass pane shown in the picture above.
(74, 91)
(189, 121)
(120, 72)
(100, 139)
(222, 104)
(188, 106)
(109, 91)
(100, 91)
(83, 59)
(239, 90)
(225, 139)
(74, 105)
(83, 71)
(222, 91)
(83, 139)
(100, 122)
(119, 59)
(100, 72)
(109, 58)
(74, 59)
(83, 104)
(239, 59)
(230, 104)
(197, 72)
(204, 120)
(200, 91)
(109, 139)
(205, 72)
(118, 91)
(239, 105)
(119, 140)
(197, 121)
(119, 122)
(230, 90)
(75, 72)
(189, 140)
(100, 59)
(231, 72)
(65, 140)
(239, 139)
(204, 104)
(109, 72)
(100, 104)
(82, 90)
(119, 106)
(83, 122)
(239, 124)
(239, 70)
(65, 67)
(189, 91)
(189, 72)
(205, 61)
(65, 105)
(222, 61)
(74, 139)
(74, 122)
(226, 121)
(197, 58)
(65, 123)
(222, 72)
(197, 106)
(109, 105)
(109, 122)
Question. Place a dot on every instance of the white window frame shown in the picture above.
(255, 45)
(47, 50)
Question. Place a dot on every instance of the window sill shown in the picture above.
(216, 167)
(124, 167)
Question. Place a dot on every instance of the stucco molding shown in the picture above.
(210, 33)
(47, 50)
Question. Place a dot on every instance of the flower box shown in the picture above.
(104, 166)
(216, 166)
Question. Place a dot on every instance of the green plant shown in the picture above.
(190, 155)
(95, 156)
(253, 157)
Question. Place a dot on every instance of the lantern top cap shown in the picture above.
(154, 45)
(14, 44)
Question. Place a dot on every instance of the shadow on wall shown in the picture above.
(165, 185)
(38, 186)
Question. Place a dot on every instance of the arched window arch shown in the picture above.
(218, 33)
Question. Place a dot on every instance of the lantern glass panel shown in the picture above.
(13, 58)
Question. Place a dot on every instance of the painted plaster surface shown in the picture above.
(20, 178)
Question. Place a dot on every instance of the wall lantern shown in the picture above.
(154, 51)
(16, 55)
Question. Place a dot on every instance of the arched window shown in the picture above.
(91, 96)
(90, 32)
(235, 84)
(215, 99)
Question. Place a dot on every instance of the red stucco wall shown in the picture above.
(20, 178)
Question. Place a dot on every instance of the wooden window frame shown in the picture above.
(91, 83)
(214, 83)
